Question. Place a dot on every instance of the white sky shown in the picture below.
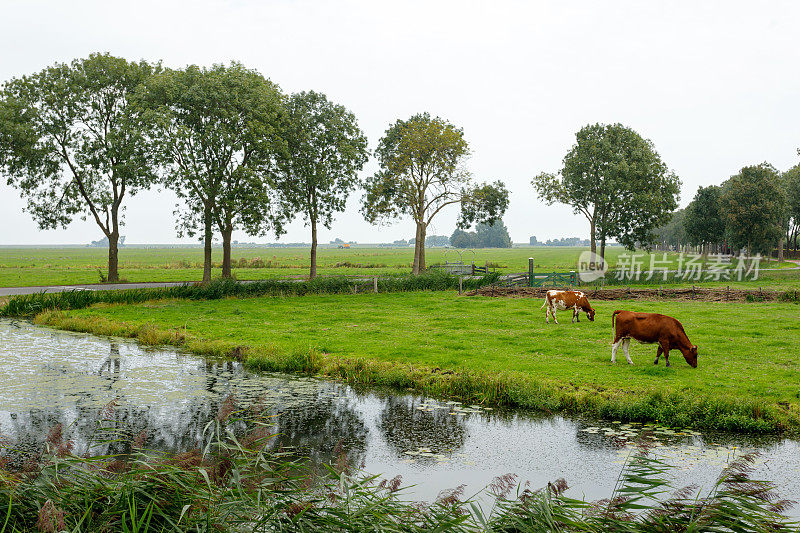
(715, 85)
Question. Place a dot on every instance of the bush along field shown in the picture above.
(493, 351)
(233, 481)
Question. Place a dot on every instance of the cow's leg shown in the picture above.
(553, 312)
(547, 313)
(614, 348)
(665, 346)
(658, 354)
(626, 344)
(576, 314)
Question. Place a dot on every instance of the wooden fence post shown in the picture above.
(375, 284)
(530, 272)
(460, 284)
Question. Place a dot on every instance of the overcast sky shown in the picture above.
(714, 85)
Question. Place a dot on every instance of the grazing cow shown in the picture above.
(563, 300)
(650, 328)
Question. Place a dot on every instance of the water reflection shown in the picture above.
(96, 388)
(408, 424)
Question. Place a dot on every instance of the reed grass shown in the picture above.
(236, 482)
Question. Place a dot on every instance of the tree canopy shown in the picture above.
(704, 223)
(792, 186)
(422, 171)
(74, 145)
(616, 179)
(219, 132)
(753, 206)
(326, 150)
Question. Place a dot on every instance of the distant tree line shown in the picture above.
(485, 236)
(564, 241)
(77, 139)
(756, 210)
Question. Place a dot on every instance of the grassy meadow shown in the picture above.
(495, 350)
(32, 266)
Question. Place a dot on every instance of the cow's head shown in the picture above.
(691, 356)
(590, 314)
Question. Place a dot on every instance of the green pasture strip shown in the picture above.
(29, 266)
(30, 304)
(495, 351)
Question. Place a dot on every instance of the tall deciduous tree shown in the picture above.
(72, 143)
(218, 133)
(616, 179)
(422, 172)
(792, 183)
(326, 150)
(704, 222)
(754, 205)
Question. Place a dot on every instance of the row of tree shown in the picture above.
(77, 139)
(758, 209)
(563, 241)
(617, 180)
(485, 236)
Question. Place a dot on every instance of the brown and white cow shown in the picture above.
(649, 328)
(563, 300)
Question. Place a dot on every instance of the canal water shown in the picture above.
(95, 386)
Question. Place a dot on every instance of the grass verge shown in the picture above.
(27, 305)
(491, 351)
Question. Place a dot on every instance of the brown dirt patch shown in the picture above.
(708, 295)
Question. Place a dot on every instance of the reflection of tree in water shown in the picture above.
(407, 428)
(322, 429)
(314, 423)
(110, 429)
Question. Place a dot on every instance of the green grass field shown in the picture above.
(747, 351)
(31, 266)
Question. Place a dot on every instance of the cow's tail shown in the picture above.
(613, 317)
(546, 297)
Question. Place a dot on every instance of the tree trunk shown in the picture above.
(415, 268)
(603, 247)
(208, 223)
(780, 249)
(592, 241)
(113, 257)
(313, 273)
(113, 246)
(226, 249)
(423, 231)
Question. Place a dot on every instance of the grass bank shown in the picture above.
(494, 351)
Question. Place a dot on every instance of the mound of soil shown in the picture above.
(708, 295)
